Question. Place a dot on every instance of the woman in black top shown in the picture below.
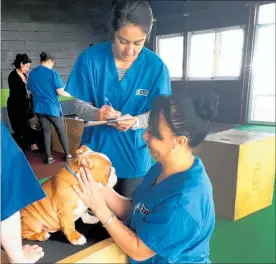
(19, 103)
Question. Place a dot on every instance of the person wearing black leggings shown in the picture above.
(18, 107)
(46, 85)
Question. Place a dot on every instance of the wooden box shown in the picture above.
(74, 135)
(241, 166)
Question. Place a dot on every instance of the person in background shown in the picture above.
(19, 104)
(121, 78)
(171, 216)
(19, 188)
(46, 85)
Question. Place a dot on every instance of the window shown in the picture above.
(264, 109)
(201, 57)
(263, 65)
(267, 14)
(262, 88)
(215, 54)
(170, 50)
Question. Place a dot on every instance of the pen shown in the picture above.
(107, 101)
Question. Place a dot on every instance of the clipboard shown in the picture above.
(101, 123)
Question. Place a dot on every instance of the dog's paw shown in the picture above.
(43, 236)
(80, 241)
(89, 219)
(76, 238)
(47, 236)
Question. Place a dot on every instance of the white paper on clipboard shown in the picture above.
(101, 123)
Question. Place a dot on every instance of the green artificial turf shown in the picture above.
(259, 128)
(248, 240)
(41, 181)
(5, 95)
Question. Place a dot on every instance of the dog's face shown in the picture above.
(99, 165)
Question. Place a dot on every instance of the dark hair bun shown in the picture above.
(43, 56)
(21, 58)
(24, 56)
(18, 57)
(206, 106)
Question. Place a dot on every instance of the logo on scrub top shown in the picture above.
(142, 92)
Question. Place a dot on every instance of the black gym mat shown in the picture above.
(58, 247)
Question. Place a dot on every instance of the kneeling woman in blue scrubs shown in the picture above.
(19, 188)
(171, 216)
(46, 85)
(121, 78)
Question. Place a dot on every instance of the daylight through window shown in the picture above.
(215, 54)
(170, 49)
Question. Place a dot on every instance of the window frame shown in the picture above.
(257, 27)
(216, 54)
(157, 48)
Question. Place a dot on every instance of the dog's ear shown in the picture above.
(84, 161)
(82, 149)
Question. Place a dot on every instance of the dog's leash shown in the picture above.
(68, 168)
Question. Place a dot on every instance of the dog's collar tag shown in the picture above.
(67, 166)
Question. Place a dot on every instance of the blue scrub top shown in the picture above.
(95, 78)
(43, 83)
(19, 185)
(176, 217)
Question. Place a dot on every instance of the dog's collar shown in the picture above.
(67, 166)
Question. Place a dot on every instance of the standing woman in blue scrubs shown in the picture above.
(46, 85)
(171, 216)
(121, 78)
(19, 188)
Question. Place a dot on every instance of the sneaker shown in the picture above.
(49, 160)
(68, 157)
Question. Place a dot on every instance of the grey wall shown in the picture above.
(186, 16)
(62, 27)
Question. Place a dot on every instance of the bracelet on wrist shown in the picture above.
(109, 221)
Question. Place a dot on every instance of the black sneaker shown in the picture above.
(49, 160)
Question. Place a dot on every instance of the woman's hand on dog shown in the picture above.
(91, 194)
